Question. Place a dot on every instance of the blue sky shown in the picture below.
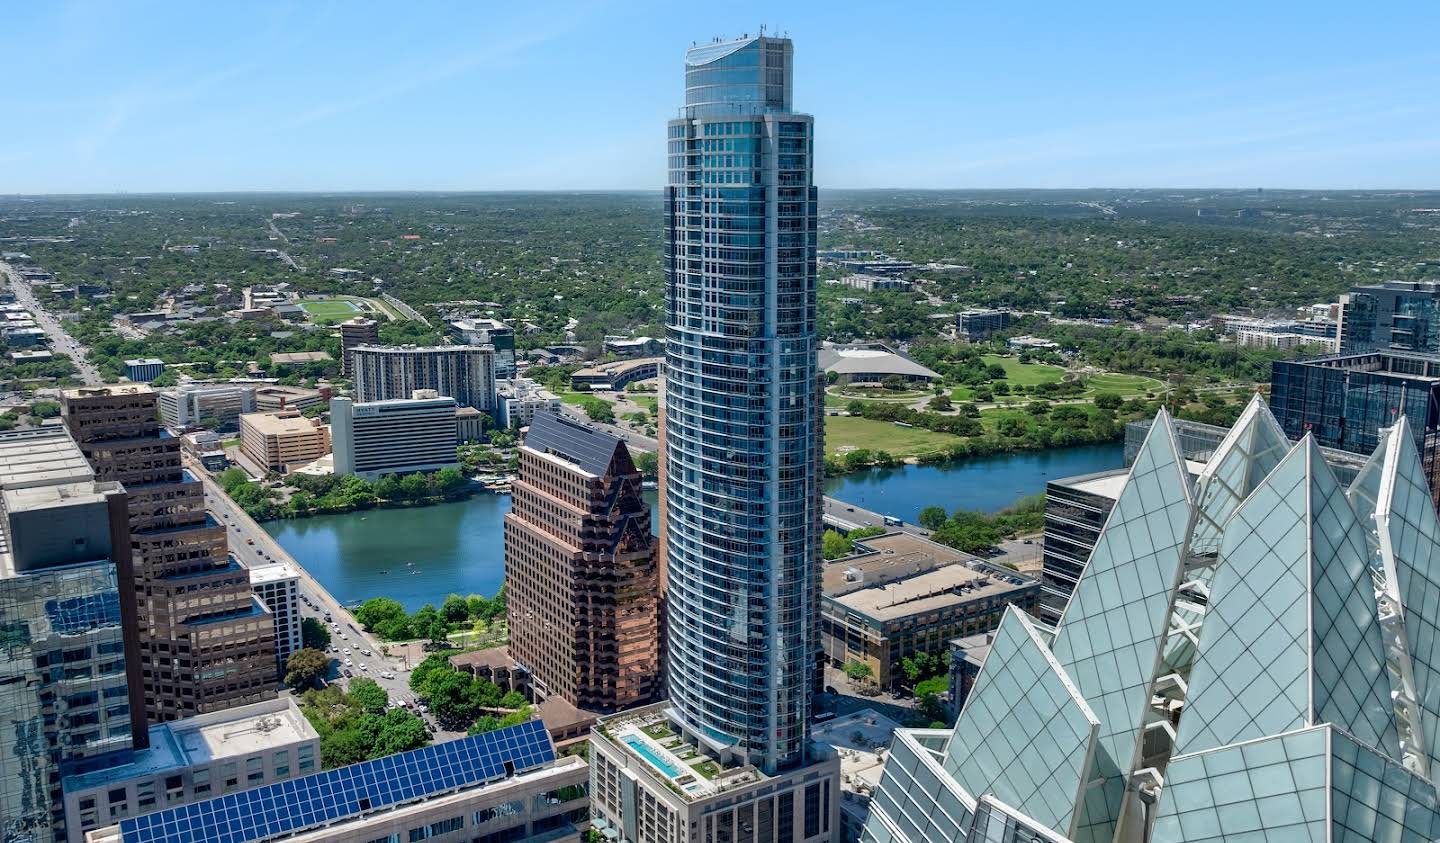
(140, 96)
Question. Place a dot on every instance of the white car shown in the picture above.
(349, 663)
(347, 651)
(363, 667)
(364, 652)
(387, 675)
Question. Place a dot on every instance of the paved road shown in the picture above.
(60, 339)
(284, 255)
(633, 439)
(243, 530)
(847, 516)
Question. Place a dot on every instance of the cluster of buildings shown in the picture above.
(1244, 656)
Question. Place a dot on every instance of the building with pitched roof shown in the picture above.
(581, 578)
(1250, 654)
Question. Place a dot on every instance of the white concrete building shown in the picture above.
(194, 759)
(278, 586)
(186, 405)
(387, 437)
(519, 399)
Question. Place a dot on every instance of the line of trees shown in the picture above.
(387, 618)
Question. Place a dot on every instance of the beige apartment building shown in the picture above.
(284, 440)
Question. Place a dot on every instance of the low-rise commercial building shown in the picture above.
(871, 364)
(272, 397)
(900, 595)
(500, 786)
(633, 346)
(144, 370)
(296, 358)
(277, 441)
(278, 587)
(616, 375)
(221, 405)
(207, 447)
(469, 425)
(872, 283)
(194, 759)
(389, 437)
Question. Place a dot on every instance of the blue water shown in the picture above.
(987, 484)
(458, 548)
(649, 755)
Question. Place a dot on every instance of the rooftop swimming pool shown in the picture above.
(643, 749)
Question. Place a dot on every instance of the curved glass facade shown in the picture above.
(743, 412)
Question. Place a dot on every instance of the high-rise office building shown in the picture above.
(491, 332)
(1346, 401)
(743, 419)
(355, 332)
(463, 372)
(743, 446)
(1265, 669)
(69, 673)
(580, 570)
(1392, 316)
(390, 437)
(206, 641)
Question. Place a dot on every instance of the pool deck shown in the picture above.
(688, 779)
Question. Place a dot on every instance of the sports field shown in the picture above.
(330, 311)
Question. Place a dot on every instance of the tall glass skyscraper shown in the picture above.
(743, 415)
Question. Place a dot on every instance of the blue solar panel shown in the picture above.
(292, 806)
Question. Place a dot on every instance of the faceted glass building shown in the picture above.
(742, 406)
(1249, 655)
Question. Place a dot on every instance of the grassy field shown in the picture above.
(1122, 385)
(330, 312)
(1026, 374)
(854, 432)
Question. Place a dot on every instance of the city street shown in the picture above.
(60, 339)
(252, 546)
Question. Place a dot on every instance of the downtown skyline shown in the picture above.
(258, 97)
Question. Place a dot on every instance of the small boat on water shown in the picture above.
(384, 571)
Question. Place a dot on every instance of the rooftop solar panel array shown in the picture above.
(587, 447)
(292, 806)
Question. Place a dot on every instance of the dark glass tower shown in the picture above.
(743, 435)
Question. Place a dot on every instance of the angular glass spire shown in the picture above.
(1250, 451)
(1392, 489)
(1025, 734)
(1111, 636)
(1291, 637)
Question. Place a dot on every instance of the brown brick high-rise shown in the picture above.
(581, 578)
(206, 642)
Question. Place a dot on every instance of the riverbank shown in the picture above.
(458, 547)
(308, 496)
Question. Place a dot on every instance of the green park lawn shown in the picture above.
(330, 312)
(1026, 374)
(856, 432)
(1122, 385)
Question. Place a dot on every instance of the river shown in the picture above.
(421, 554)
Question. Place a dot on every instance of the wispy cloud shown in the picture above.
(418, 78)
